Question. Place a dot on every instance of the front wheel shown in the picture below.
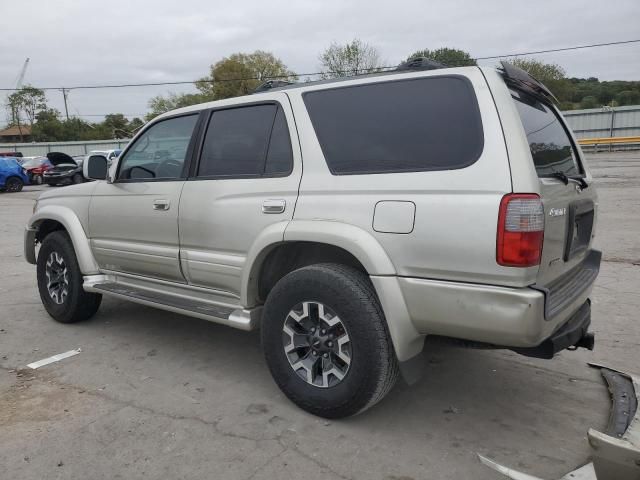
(77, 178)
(60, 281)
(326, 341)
(13, 184)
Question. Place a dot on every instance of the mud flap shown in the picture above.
(614, 454)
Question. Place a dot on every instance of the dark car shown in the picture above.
(11, 154)
(66, 170)
(12, 176)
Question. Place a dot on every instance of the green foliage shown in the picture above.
(241, 73)
(27, 101)
(451, 57)
(49, 128)
(238, 74)
(353, 58)
(161, 104)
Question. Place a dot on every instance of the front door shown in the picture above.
(133, 222)
(245, 186)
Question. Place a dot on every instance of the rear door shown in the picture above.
(244, 186)
(569, 207)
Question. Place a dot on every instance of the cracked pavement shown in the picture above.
(158, 395)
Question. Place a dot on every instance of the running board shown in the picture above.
(242, 319)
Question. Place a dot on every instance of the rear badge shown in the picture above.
(557, 212)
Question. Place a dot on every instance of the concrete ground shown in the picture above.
(158, 395)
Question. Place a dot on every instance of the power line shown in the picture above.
(559, 49)
(188, 82)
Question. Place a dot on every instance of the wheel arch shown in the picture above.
(53, 218)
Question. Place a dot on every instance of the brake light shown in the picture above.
(520, 230)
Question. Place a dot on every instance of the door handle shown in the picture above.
(161, 204)
(274, 206)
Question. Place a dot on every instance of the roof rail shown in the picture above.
(269, 84)
(420, 63)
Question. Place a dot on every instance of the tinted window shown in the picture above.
(400, 126)
(237, 143)
(159, 153)
(279, 156)
(550, 145)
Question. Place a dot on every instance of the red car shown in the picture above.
(36, 167)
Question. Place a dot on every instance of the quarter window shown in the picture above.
(246, 142)
(160, 152)
(398, 126)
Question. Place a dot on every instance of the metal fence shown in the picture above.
(591, 123)
(70, 148)
(605, 122)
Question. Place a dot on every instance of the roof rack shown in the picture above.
(420, 63)
(524, 81)
(269, 84)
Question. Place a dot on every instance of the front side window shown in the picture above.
(246, 142)
(160, 152)
(549, 142)
(411, 125)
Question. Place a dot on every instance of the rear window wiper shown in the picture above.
(566, 178)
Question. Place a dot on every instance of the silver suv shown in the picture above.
(348, 219)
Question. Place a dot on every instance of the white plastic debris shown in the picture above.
(54, 358)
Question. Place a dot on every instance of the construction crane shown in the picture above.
(22, 74)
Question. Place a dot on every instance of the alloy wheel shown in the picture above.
(317, 344)
(57, 278)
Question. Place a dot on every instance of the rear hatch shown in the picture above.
(568, 265)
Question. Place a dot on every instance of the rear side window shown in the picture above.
(549, 142)
(246, 141)
(398, 126)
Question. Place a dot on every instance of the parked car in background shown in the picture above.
(11, 154)
(35, 167)
(108, 154)
(12, 176)
(66, 169)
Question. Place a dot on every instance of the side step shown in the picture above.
(237, 318)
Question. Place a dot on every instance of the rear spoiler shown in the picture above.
(518, 78)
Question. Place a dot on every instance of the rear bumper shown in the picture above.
(502, 316)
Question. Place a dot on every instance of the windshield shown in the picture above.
(549, 142)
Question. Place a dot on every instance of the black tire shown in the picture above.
(76, 305)
(373, 367)
(37, 179)
(77, 178)
(13, 184)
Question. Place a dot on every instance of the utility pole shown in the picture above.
(65, 92)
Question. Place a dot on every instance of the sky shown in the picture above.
(90, 42)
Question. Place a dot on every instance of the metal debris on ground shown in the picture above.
(615, 454)
(54, 358)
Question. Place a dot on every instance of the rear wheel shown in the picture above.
(13, 184)
(38, 179)
(60, 281)
(326, 341)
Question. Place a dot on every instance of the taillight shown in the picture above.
(520, 230)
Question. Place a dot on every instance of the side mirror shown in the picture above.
(95, 167)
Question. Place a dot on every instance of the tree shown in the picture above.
(28, 100)
(241, 73)
(451, 57)
(161, 104)
(352, 58)
(551, 74)
(589, 102)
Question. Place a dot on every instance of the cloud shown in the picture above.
(90, 42)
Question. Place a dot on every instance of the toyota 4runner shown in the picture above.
(348, 219)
